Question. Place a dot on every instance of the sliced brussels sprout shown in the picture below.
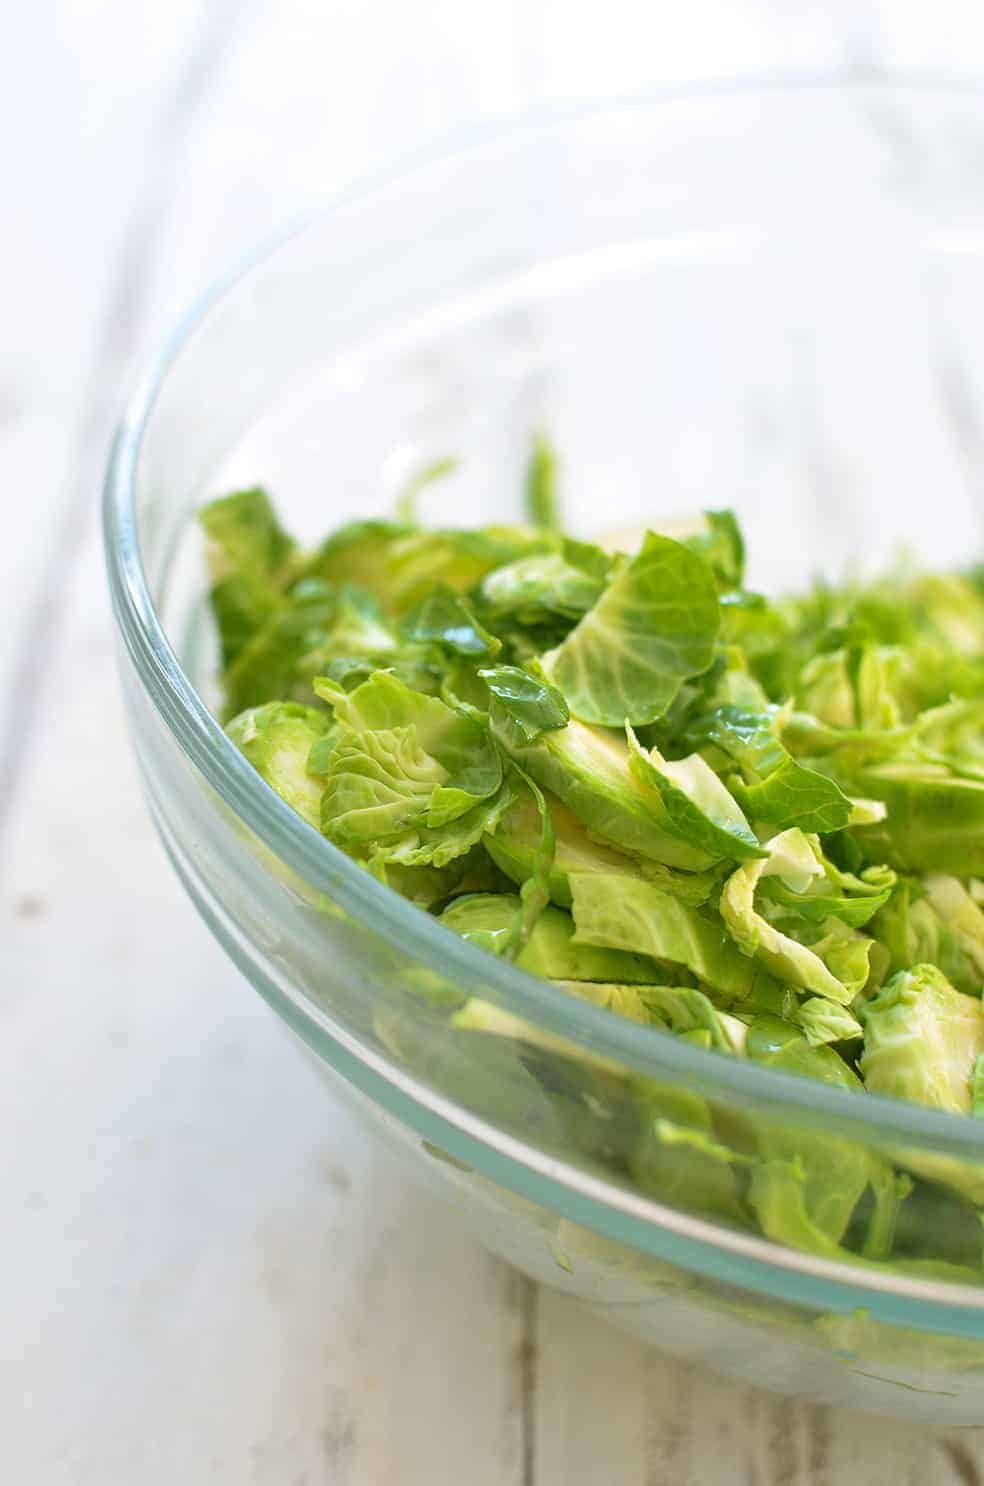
(277, 738)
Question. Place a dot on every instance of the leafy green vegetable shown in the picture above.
(835, 967)
(826, 1021)
(444, 618)
(682, 1009)
(934, 820)
(921, 1040)
(541, 484)
(977, 1088)
(535, 590)
(912, 933)
(513, 845)
(837, 894)
(278, 739)
(754, 824)
(534, 891)
(401, 564)
(484, 1016)
(615, 911)
(552, 949)
(808, 1184)
(358, 627)
(678, 1158)
(589, 770)
(654, 626)
(771, 785)
(273, 663)
(696, 806)
(409, 779)
(722, 547)
(242, 604)
(244, 536)
(524, 702)
(428, 474)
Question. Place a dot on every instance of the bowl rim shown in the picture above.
(327, 869)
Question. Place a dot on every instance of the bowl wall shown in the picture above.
(768, 300)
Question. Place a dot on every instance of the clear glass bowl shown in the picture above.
(768, 298)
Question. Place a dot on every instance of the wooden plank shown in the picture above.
(591, 1417)
(608, 1409)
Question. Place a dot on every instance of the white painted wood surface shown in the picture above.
(208, 1276)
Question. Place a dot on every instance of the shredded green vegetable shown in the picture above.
(754, 823)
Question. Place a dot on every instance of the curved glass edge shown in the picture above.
(619, 1213)
(328, 869)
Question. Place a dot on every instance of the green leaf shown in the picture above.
(319, 757)
(444, 618)
(722, 547)
(616, 911)
(428, 885)
(842, 895)
(624, 1001)
(428, 474)
(541, 484)
(379, 787)
(750, 622)
(249, 556)
(401, 564)
(488, 919)
(278, 739)
(534, 892)
(825, 690)
(439, 845)
(654, 626)
(348, 671)
(244, 536)
(825, 1021)
(484, 1074)
(351, 642)
(458, 742)
(529, 704)
(921, 1040)
(696, 805)
(683, 1009)
(934, 821)
(514, 844)
(404, 764)
(588, 557)
(772, 785)
(954, 906)
(977, 1088)
(807, 1185)
(484, 1016)
(836, 967)
(588, 770)
(272, 665)
(535, 590)
(241, 605)
(678, 1158)
(358, 626)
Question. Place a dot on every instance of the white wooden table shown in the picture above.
(208, 1276)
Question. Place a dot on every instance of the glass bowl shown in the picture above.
(770, 298)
